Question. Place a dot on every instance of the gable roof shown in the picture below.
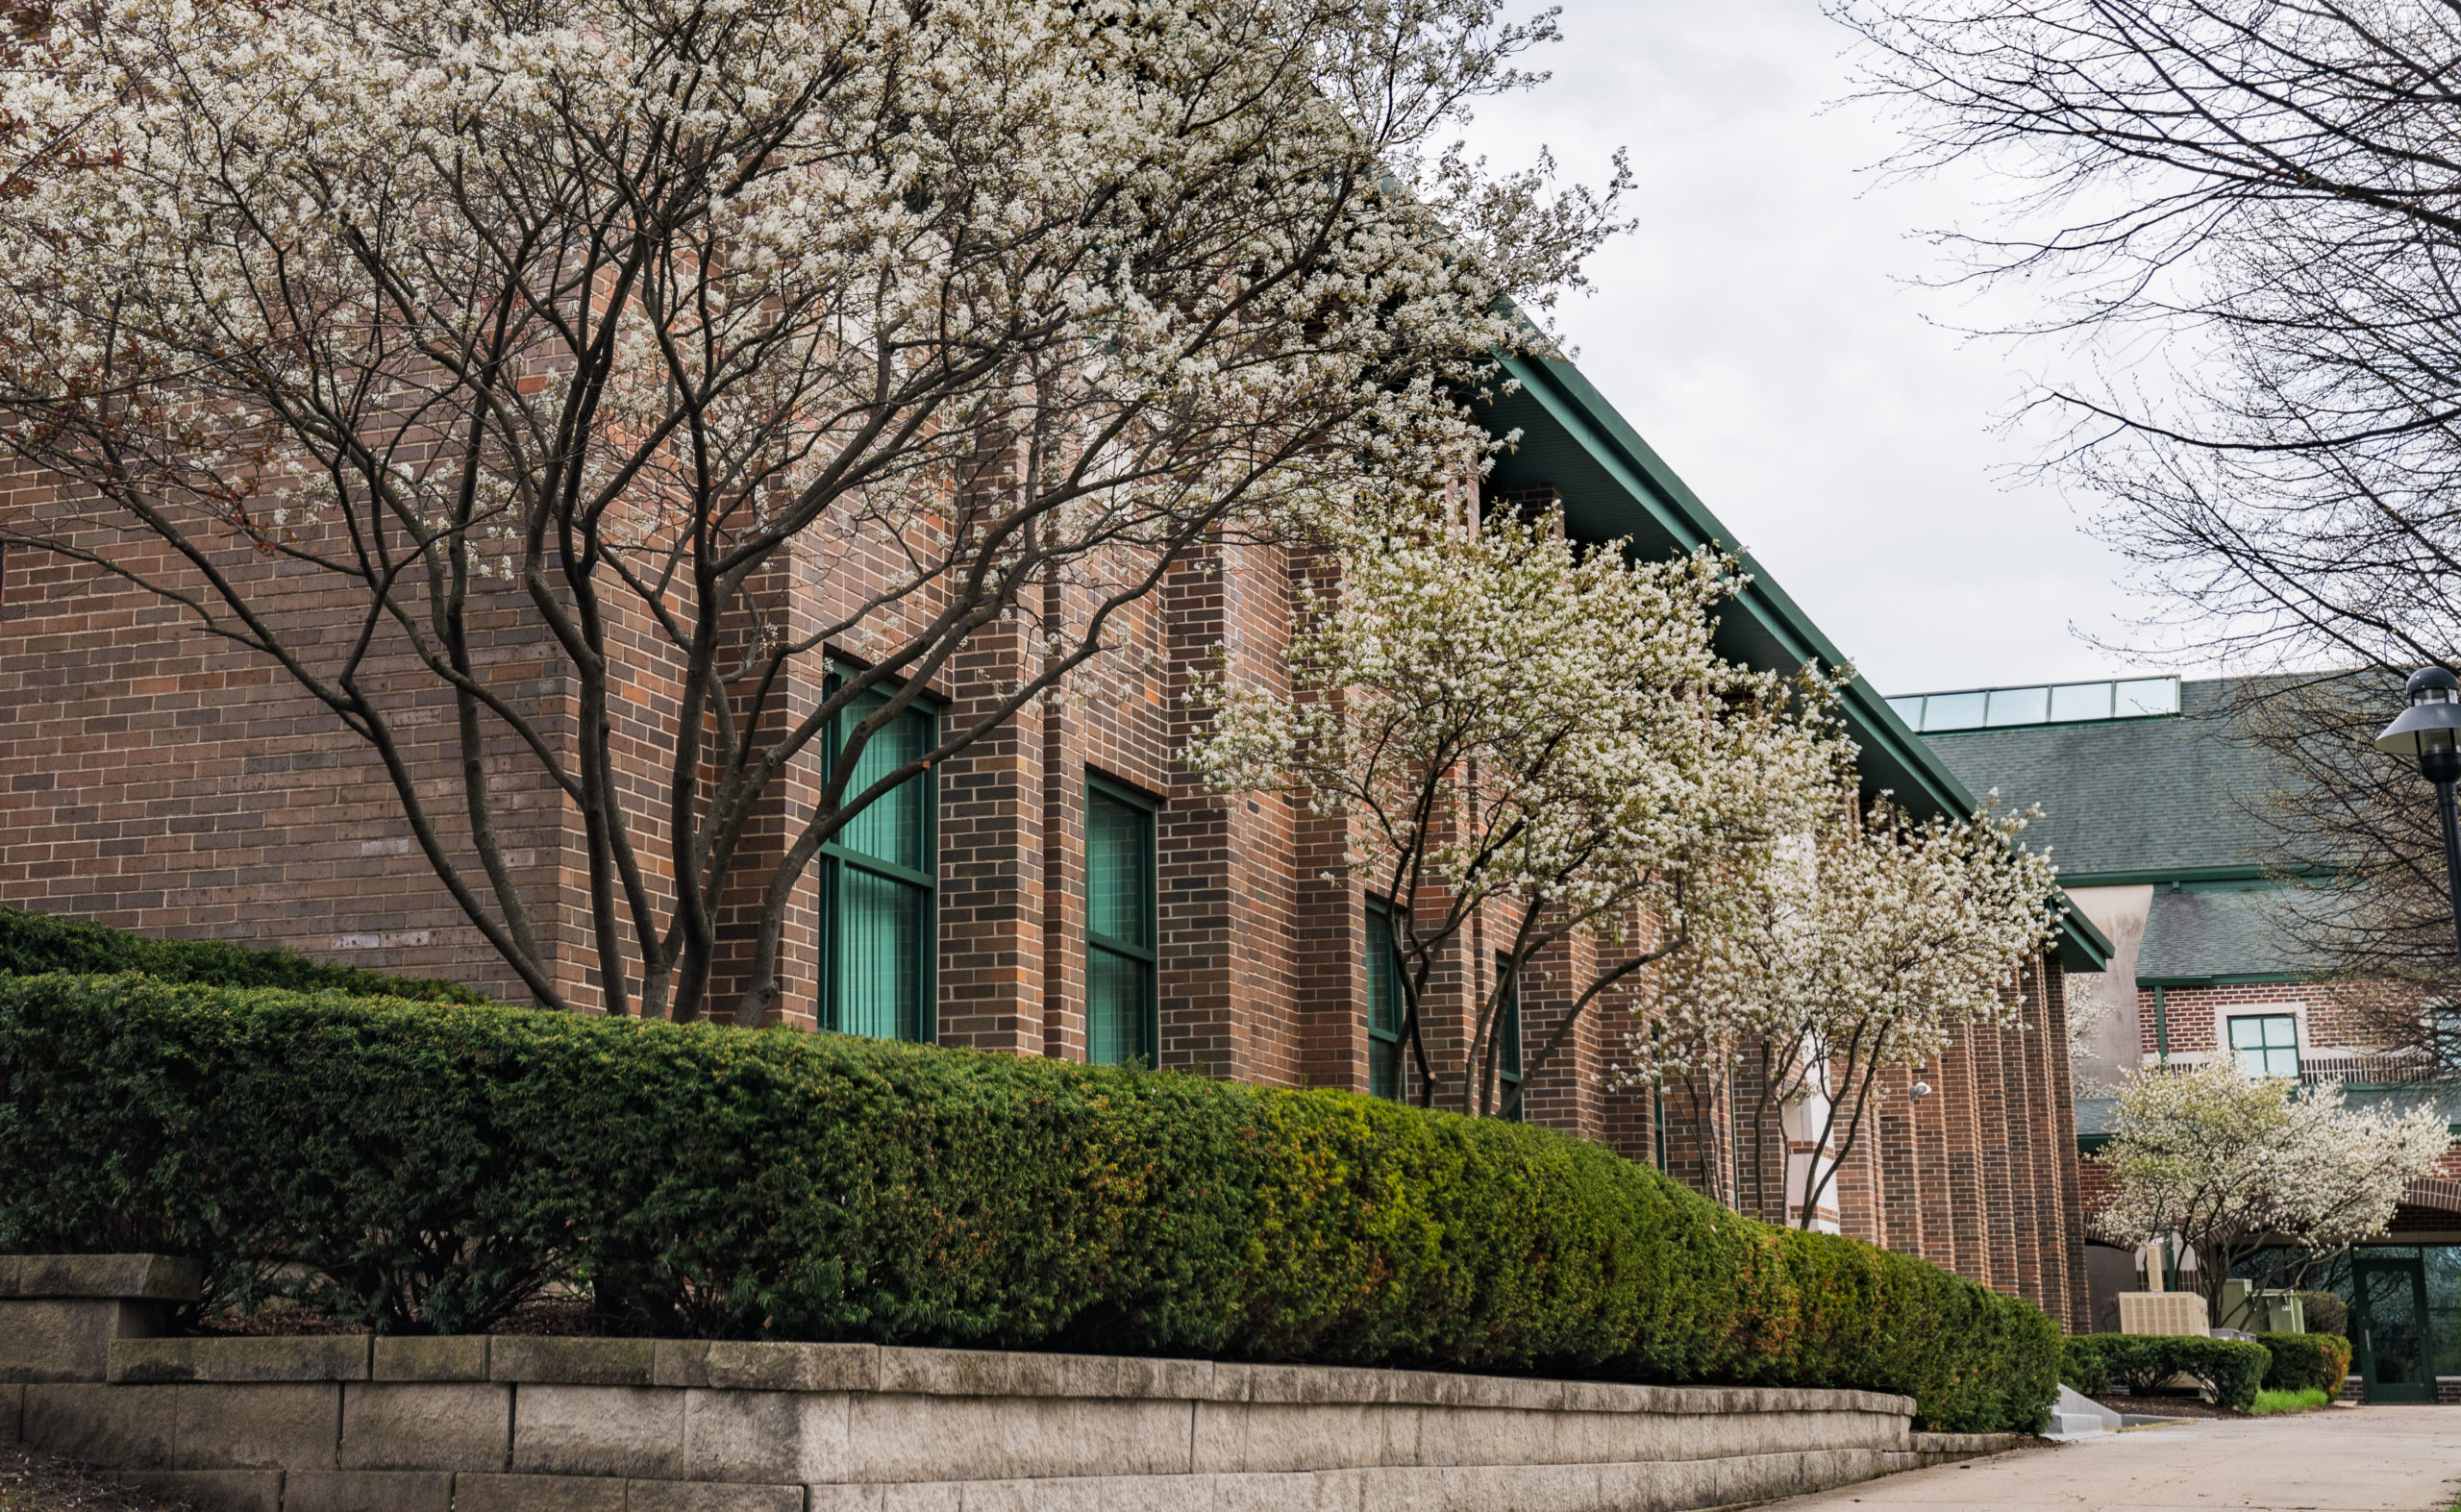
(2131, 799)
(2227, 931)
(1613, 486)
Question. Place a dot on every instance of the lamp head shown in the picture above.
(2431, 728)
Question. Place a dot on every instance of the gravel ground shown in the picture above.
(32, 1483)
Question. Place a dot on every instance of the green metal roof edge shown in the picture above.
(2160, 876)
(1574, 402)
(2247, 978)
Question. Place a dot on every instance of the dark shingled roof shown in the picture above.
(2130, 796)
(2197, 934)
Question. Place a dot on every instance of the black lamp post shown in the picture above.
(2430, 730)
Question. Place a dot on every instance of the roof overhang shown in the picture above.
(1614, 487)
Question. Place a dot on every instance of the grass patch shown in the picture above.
(2269, 1402)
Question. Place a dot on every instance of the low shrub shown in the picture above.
(429, 1168)
(2302, 1361)
(2326, 1313)
(2231, 1369)
(32, 944)
(2304, 1400)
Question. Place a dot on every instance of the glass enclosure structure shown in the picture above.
(2045, 703)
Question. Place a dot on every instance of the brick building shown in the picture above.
(1061, 889)
(2152, 804)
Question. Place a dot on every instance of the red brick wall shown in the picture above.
(160, 780)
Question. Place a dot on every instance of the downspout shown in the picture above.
(2161, 1028)
(1657, 1110)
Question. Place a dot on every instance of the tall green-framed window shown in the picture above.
(1508, 1036)
(1120, 927)
(878, 887)
(1384, 1004)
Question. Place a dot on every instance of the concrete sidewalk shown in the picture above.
(2364, 1459)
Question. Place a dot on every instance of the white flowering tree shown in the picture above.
(1876, 939)
(1513, 723)
(379, 337)
(2233, 1165)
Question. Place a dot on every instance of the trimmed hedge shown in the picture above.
(32, 944)
(2231, 1368)
(2305, 1361)
(430, 1168)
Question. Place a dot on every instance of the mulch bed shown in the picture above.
(32, 1483)
(2168, 1406)
(562, 1316)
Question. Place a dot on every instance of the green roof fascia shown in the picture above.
(1660, 503)
(2187, 876)
(2252, 979)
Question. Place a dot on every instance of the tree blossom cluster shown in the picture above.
(1516, 723)
(2234, 1165)
(605, 322)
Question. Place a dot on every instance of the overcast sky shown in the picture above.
(1758, 332)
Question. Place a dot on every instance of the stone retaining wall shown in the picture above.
(510, 1423)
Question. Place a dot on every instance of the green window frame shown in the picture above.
(1122, 928)
(879, 889)
(1507, 1033)
(1386, 1003)
(2266, 1044)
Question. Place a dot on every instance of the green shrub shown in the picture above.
(2230, 1367)
(2302, 1361)
(2304, 1400)
(32, 944)
(2326, 1313)
(431, 1167)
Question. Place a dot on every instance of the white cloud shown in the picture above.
(1758, 332)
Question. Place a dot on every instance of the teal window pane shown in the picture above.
(2080, 701)
(878, 956)
(2019, 705)
(2145, 696)
(1384, 1005)
(1119, 887)
(1953, 711)
(1115, 1009)
(1508, 1043)
(2266, 1045)
(892, 827)
(1383, 974)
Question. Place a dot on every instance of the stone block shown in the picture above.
(1125, 1375)
(844, 1499)
(571, 1362)
(462, 1356)
(1266, 1437)
(125, 1277)
(255, 1426)
(10, 1270)
(538, 1494)
(599, 1430)
(12, 1412)
(757, 1365)
(68, 1338)
(765, 1435)
(928, 1495)
(368, 1491)
(902, 1438)
(426, 1425)
(1327, 1491)
(210, 1490)
(314, 1357)
(710, 1496)
(971, 1373)
(1063, 1495)
(122, 1427)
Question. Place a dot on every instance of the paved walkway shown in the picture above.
(2341, 1459)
